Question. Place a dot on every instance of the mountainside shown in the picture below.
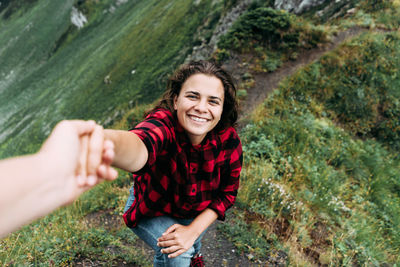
(319, 122)
(88, 59)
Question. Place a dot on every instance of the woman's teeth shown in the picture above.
(198, 119)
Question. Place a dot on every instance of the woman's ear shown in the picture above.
(175, 100)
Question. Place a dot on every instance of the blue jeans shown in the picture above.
(150, 229)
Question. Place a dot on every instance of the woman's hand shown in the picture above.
(177, 239)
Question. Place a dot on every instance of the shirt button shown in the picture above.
(192, 200)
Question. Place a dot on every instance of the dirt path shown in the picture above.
(267, 82)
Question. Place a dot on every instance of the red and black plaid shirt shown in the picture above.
(182, 180)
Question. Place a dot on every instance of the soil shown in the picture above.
(217, 249)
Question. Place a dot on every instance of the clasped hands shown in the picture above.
(82, 155)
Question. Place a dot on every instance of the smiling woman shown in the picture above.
(186, 159)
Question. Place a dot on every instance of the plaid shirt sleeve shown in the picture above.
(230, 174)
(156, 132)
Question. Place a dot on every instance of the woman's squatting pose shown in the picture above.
(186, 159)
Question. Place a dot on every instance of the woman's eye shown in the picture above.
(214, 102)
(191, 96)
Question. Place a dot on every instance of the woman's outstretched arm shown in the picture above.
(130, 152)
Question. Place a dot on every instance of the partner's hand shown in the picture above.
(80, 155)
(96, 156)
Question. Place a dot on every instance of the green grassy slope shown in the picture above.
(320, 183)
(52, 71)
(337, 193)
(321, 177)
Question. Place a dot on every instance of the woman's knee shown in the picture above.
(161, 259)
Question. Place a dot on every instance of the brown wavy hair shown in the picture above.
(230, 108)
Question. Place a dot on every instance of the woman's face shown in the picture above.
(199, 105)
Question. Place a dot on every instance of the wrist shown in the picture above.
(52, 182)
(195, 229)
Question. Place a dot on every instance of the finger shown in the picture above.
(81, 170)
(166, 244)
(108, 152)
(176, 254)
(106, 172)
(102, 171)
(171, 249)
(112, 174)
(80, 126)
(108, 144)
(95, 151)
(171, 229)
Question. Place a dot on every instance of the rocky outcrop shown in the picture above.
(77, 18)
(328, 9)
(205, 49)
(298, 6)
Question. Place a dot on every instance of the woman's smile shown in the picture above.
(198, 119)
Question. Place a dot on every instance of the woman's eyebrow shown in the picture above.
(215, 97)
(192, 92)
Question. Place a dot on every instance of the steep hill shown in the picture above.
(88, 59)
(320, 184)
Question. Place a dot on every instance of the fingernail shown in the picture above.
(114, 173)
(102, 169)
(80, 180)
(91, 180)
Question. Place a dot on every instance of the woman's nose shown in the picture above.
(201, 105)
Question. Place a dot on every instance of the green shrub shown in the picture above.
(262, 25)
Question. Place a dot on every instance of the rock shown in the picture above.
(297, 6)
(77, 18)
(107, 79)
(351, 11)
(250, 256)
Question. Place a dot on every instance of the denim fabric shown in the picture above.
(150, 229)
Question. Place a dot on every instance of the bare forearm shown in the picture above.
(203, 221)
(130, 152)
(28, 191)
